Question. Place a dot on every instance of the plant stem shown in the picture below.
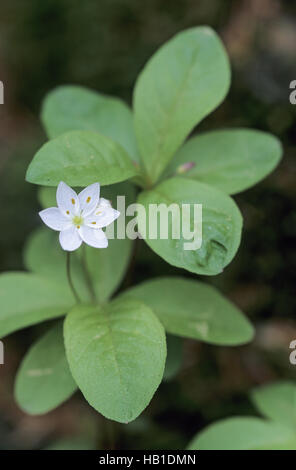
(87, 276)
(70, 278)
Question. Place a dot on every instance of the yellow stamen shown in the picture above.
(67, 212)
(77, 220)
(94, 223)
(73, 201)
(88, 199)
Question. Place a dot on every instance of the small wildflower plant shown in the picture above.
(113, 347)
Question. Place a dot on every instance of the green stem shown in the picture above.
(70, 278)
(87, 276)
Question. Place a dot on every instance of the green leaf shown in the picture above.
(44, 380)
(243, 433)
(73, 443)
(287, 444)
(194, 310)
(108, 266)
(230, 160)
(277, 401)
(27, 299)
(47, 196)
(116, 356)
(80, 158)
(221, 225)
(68, 108)
(174, 357)
(185, 80)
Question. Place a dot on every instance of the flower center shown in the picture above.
(77, 220)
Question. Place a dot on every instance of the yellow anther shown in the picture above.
(77, 220)
(88, 199)
(73, 201)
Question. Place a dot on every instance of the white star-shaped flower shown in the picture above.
(80, 218)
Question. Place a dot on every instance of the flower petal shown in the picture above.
(67, 200)
(89, 198)
(93, 237)
(102, 218)
(70, 239)
(103, 203)
(53, 218)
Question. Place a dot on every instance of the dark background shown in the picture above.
(104, 44)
